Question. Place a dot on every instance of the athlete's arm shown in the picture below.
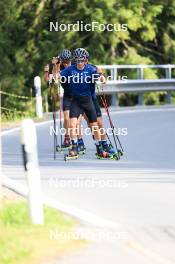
(56, 66)
(98, 74)
(102, 78)
(46, 73)
(64, 75)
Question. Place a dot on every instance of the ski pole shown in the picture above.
(115, 142)
(52, 91)
(109, 139)
(104, 102)
(112, 125)
(104, 105)
(56, 70)
(60, 110)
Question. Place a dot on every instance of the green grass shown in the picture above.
(16, 116)
(24, 243)
(16, 121)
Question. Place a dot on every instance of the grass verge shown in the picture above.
(24, 243)
(16, 122)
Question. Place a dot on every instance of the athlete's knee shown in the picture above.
(79, 119)
(73, 122)
(73, 126)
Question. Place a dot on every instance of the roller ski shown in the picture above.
(81, 147)
(101, 153)
(58, 148)
(110, 150)
(117, 154)
(67, 143)
(121, 153)
(73, 153)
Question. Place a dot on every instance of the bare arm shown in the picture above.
(101, 78)
(46, 73)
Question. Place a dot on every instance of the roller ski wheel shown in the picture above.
(69, 157)
(115, 156)
(106, 157)
(73, 153)
(120, 152)
(82, 152)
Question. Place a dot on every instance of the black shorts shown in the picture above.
(97, 107)
(67, 101)
(81, 105)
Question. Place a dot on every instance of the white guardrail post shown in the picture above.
(114, 96)
(140, 77)
(30, 157)
(39, 108)
(168, 75)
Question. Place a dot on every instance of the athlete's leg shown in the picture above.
(81, 145)
(95, 131)
(73, 128)
(99, 118)
(79, 127)
(89, 109)
(66, 121)
(74, 114)
(66, 113)
(101, 127)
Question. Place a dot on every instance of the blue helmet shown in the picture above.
(80, 54)
(87, 54)
(66, 55)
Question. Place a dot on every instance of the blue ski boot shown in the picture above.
(110, 150)
(81, 146)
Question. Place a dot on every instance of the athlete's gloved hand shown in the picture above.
(55, 60)
(99, 70)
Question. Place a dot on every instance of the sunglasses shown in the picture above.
(66, 61)
(80, 61)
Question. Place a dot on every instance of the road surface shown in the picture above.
(135, 194)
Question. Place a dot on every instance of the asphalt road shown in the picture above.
(137, 192)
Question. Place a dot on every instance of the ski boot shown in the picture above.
(66, 144)
(101, 153)
(110, 150)
(81, 146)
(73, 153)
